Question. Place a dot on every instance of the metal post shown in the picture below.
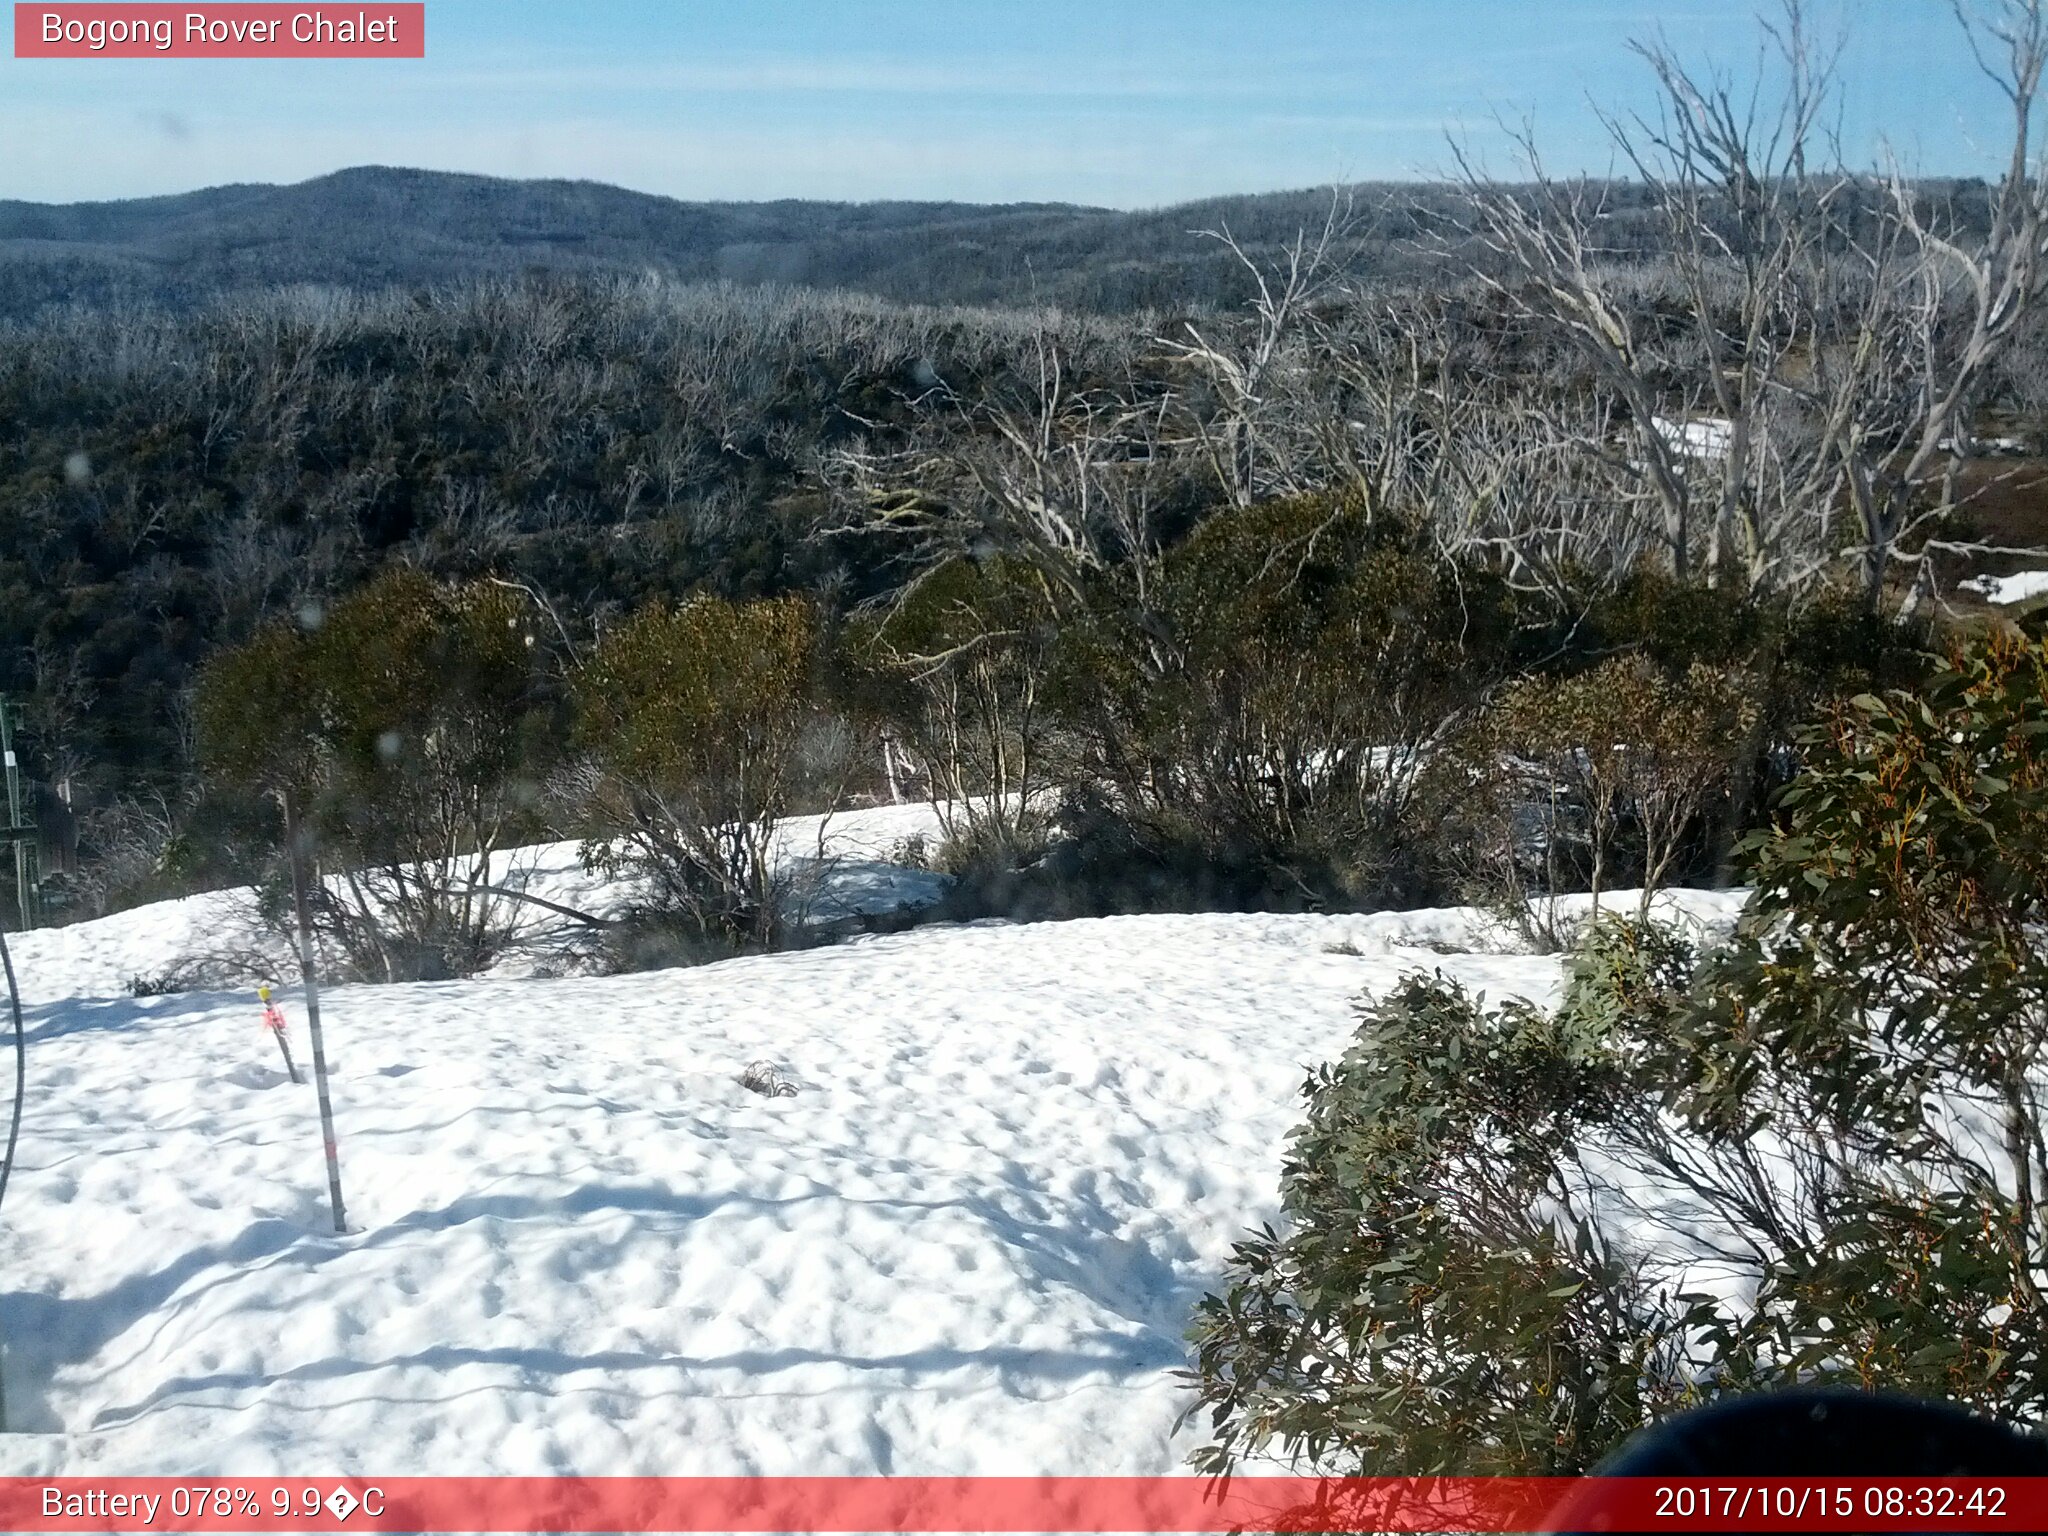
(297, 851)
(17, 830)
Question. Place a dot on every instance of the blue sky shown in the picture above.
(1129, 103)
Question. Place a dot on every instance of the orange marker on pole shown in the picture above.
(274, 1022)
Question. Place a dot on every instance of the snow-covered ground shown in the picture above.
(2021, 587)
(968, 1243)
(839, 865)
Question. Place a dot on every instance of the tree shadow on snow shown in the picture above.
(1072, 1243)
(542, 1369)
(1080, 1246)
(47, 1333)
(77, 1016)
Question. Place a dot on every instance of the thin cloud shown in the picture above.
(844, 77)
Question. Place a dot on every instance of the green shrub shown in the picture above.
(957, 670)
(1442, 1300)
(1607, 777)
(706, 725)
(1883, 1008)
(1626, 977)
(409, 727)
(1815, 1153)
(1795, 659)
(1267, 705)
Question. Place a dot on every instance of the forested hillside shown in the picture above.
(371, 227)
(167, 482)
(1032, 475)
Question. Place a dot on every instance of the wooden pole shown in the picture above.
(298, 859)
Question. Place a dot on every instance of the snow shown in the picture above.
(1699, 437)
(2007, 590)
(1709, 437)
(968, 1244)
(841, 865)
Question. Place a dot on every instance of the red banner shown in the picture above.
(1051, 1504)
(264, 30)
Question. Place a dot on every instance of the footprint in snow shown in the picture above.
(249, 1075)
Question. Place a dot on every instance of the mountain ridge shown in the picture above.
(379, 226)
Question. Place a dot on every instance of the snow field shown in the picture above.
(968, 1245)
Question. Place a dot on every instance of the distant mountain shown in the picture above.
(373, 227)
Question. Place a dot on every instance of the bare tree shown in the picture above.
(1996, 278)
(1061, 476)
(1253, 380)
(1835, 333)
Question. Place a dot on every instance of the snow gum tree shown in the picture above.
(1886, 998)
(1278, 707)
(406, 723)
(702, 722)
(1443, 1299)
(958, 667)
(1627, 761)
(1819, 1152)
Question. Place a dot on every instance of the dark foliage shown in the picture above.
(1842, 1109)
(704, 728)
(408, 726)
(170, 484)
(1271, 712)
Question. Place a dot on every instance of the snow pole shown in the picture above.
(274, 1022)
(297, 850)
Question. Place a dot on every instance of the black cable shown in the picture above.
(20, 1065)
(14, 1128)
